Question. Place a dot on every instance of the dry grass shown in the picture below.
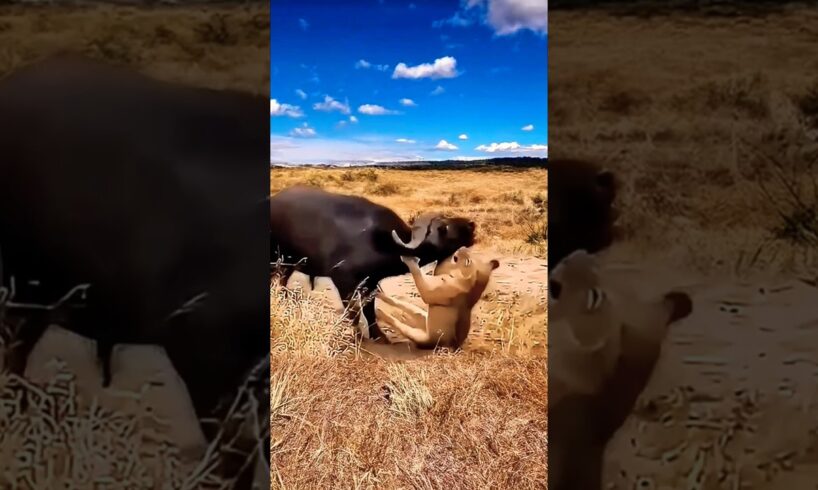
(461, 421)
(472, 419)
(62, 440)
(694, 137)
(217, 47)
(507, 206)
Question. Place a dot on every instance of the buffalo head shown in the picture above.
(443, 234)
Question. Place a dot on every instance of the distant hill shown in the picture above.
(510, 162)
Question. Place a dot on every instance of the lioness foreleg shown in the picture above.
(434, 290)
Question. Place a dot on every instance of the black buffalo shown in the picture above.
(581, 212)
(154, 194)
(355, 241)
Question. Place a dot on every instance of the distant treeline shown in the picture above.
(691, 6)
(493, 163)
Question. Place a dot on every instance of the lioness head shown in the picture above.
(470, 266)
(574, 288)
(441, 233)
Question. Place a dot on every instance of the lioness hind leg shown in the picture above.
(410, 312)
(417, 335)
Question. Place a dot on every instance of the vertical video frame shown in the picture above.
(408, 245)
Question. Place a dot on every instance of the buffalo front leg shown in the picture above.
(29, 333)
(347, 289)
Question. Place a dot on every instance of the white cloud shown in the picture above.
(353, 119)
(463, 137)
(365, 65)
(304, 24)
(445, 67)
(445, 145)
(375, 110)
(404, 140)
(286, 149)
(301, 93)
(303, 132)
(437, 91)
(330, 105)
(408, 103)
(459, 19)
(529, 127)
(277, 109)
(509, 16)
(512, 147)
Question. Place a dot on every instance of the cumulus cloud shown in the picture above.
(408, 103)
(375, 110)
(404, 140)
(288, 110)
(330, 105)
(463, 137)
(362, 63)
(303, 132)
(445, 67)
(512, 147)
(304, 24)
(353, 119)
(301, 93)
(509, 16)
(528, 127)
(437, 91)
(445, 145)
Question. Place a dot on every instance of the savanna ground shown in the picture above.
(472, 419)
(74, 433)
(712, 125)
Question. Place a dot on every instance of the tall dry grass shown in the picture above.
(214, 46)
(719, 170)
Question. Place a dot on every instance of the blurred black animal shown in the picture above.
(581, 215)
(155, 196)
(355, 241)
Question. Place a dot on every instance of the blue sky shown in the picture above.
(388, 80)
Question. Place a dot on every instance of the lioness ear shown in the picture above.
(494, 264)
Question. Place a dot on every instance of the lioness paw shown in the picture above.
(410, 260)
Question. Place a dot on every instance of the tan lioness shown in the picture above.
(603, 345)
(450, 296)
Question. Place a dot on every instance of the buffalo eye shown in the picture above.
(444, 230)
